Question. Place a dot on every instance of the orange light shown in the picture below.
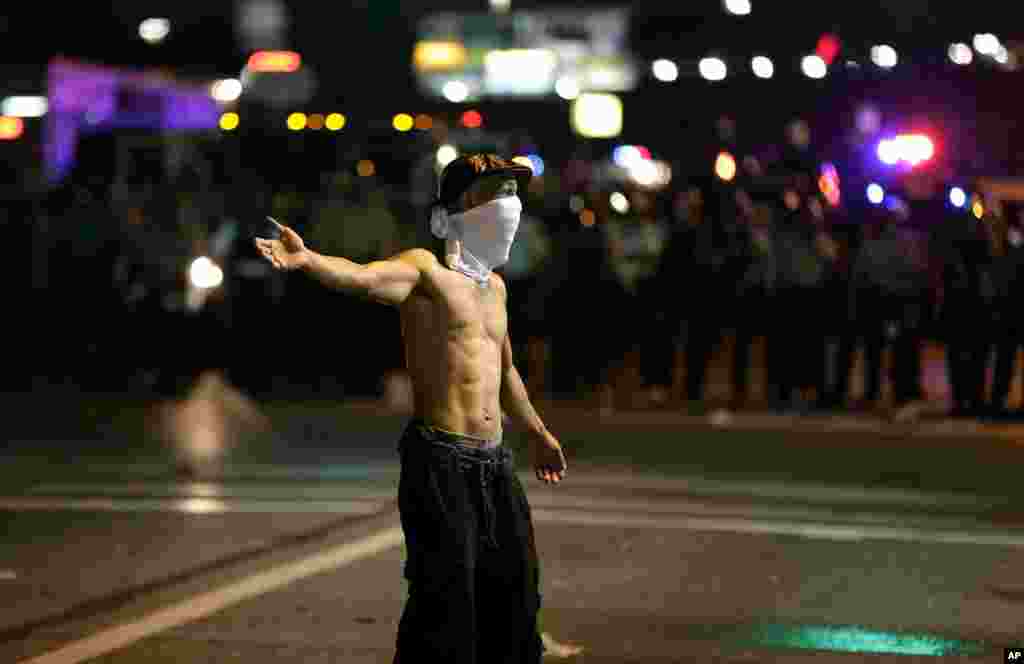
(11, 128)
(472, 119)
(275, 61)
(315, 121)
(424, 121)
(365, 168)
(725, 166)
(587, 217)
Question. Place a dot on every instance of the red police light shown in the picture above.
(274, 61)
(472, 119)
(11, 128)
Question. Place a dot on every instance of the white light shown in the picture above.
(567, 87)
(888, 152)
(520, 70)
(446, 154)
(665, 70)
(24, 107)
(814, 67)
(597, 115)
(737, 7)
(960, 53)
(1002, 56)
(627, 156)
(226, 90)
(455, 91)
(645, 173)
(875, 193)
(501, 6)
(619, 202)
(884, 56)
(762, 66)
(958, 197)
(713, 69)
(154, 30)
(986, 43)
(204, 273)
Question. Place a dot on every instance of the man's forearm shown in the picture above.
(337, 273)
(516, 403)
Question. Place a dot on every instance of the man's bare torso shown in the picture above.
(453, 332)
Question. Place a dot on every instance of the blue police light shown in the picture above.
(958, 197)
(875, 193)
(537, 163)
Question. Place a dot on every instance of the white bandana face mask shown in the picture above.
(479, 239)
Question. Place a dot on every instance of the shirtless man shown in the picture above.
(471, 561)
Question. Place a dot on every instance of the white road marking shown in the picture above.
(208, 603)
(829, 531)
(193, 505)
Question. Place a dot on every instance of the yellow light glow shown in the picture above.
(597, 115)
(402, 122)
(11, 128)
(438, 55)
(315, 121)
(978, 209)
(587, 217)
(229, 121)
(296, 121)
(365, 168)
(725, 166)
(335, 121)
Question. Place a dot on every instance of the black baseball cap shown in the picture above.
(461, 172)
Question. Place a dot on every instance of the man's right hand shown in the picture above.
(287, 253)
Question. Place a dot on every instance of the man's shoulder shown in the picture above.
(419, 257)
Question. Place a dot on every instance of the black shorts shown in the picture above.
(471, 561)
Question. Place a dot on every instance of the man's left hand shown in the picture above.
(547, 457)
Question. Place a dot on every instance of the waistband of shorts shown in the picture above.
(466, 445)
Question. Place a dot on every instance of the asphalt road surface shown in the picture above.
(117, 561)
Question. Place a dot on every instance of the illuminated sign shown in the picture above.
(274, 61)
(464, 57)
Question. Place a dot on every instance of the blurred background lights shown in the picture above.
(587, 218)
(762, 66)
(960, 53)
(281, 62)
(986, 43)
(424, 121)
(204, 273)
(665, 70)
(978, 209)
(445, 154)
(813, 66)
(226, 90)
(619, 202)
(365, 168)
(737, 7)
(11, 128)
(501, 6)
(958, 197)
(438, 55)
(154, 30)
(627, 155)
(713, 69)
(534, 162)
(725, 166)
(455, 91)
(567, 87)
(315, 121)
(912, 149)
(827, 48)
(875, 193)
(597, 115)
(868, 120)
(576, 203)
(334, 121)
(884, 56)
(24, 107)
(472, 119)
(402, 122)
(229, 121)
(296, 121)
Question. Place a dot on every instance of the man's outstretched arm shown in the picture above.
(387, 281)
